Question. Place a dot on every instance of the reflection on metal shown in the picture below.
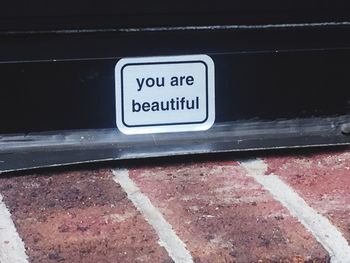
(18, 152)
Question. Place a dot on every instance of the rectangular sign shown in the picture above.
(165, 94)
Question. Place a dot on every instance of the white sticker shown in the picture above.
(165, 94)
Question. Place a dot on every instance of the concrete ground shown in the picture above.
(290, 206)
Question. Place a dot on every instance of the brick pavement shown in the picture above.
(218, 211)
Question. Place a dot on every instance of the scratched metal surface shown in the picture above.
(87, 14)
(19, 152)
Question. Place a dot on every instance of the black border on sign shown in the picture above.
(156, 63)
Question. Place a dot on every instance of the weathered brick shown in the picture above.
(322, 179)
(81, 216)
(225, 216)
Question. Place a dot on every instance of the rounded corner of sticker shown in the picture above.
(208, 59)
(120, 65)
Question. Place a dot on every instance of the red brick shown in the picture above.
(81, 216)
(224, 216)
(322, 179)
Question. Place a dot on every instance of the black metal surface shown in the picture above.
(79, 14)
(68, 95)
(280, 85)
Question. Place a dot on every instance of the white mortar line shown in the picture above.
(11, 245)
(322, 229)
(167, 236)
